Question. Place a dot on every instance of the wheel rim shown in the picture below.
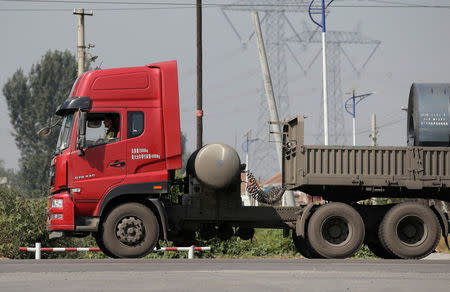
(130, 231)
(336, 230)
(411, 230)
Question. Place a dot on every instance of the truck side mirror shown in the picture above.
(81, 131)
(44, 131)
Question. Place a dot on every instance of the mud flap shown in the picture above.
(162, 215)
(300, 227)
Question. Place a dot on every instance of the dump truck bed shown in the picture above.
(354, 173)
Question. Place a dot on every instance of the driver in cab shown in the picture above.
(112, 128)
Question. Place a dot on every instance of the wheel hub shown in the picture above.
(411, 230)
(335, 230)
(130, 230)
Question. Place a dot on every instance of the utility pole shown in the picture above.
(373, 136)
(199, 112)
(288, 197)
(275, 128)
(81, 46)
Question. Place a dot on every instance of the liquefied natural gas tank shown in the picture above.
(215, 165)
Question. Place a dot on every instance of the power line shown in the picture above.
(96, 9)
(179, 8)
(385, 125)
(388, 4)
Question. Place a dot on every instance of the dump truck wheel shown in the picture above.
(381, 252)
(304, 247)
(130, 231)
(409, 231)
(336, 230)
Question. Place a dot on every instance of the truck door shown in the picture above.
(145, 146)
(103, 164)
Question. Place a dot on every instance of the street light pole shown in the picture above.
(324, 76)
(351, 109)
(322, 11)
(354, 119)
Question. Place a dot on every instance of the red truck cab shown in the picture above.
(98, 163)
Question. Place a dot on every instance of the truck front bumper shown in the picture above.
(60, 214)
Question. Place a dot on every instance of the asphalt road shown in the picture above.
(224, 275)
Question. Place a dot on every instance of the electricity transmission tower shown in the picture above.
(276, 27)
(337, 41)
(279, 34)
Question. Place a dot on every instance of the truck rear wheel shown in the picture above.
(409, 231)
(336, 230)
(304, 247)
(130, 230)
(380, 251)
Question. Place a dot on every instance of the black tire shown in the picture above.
(130, 230)
(99, 241)
(409, 231)
(381, 252)
(336, 230)
(304, 247)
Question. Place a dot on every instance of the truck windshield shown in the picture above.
(65, 133)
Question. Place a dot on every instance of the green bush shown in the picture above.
(22, 224)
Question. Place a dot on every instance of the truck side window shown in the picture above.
(102, 128)
(135, 124)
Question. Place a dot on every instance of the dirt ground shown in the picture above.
(442, 247)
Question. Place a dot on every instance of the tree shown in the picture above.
(7, 176)
(32, 100)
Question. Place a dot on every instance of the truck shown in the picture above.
(123, 188)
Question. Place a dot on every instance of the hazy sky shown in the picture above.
(415, 48)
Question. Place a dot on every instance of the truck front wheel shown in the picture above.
(130, 230)
(336, 230)
(409, 231)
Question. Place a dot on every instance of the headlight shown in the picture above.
(57, 203)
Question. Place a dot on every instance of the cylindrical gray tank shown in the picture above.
(215, 165)
(428, 114)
